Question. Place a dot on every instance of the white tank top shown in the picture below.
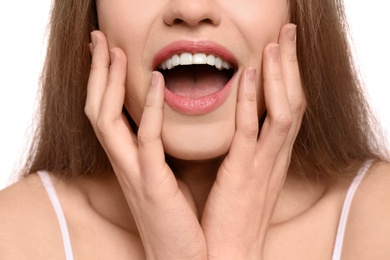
(338, 245)
(48, 184)
(51, 191)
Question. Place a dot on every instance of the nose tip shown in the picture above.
(192, 12)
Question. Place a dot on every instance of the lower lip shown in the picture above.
(201, 105)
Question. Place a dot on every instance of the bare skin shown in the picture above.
(254, 169)
(236, 201)
(101, 225)
(214, 211)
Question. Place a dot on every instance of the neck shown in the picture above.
(199, 176)
(106, 197)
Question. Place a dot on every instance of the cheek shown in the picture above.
(127, 25)
(259, 22)
(261, 25)
(124, 31)
(136, 92)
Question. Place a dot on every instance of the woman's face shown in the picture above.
(200, 101)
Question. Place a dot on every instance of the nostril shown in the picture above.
(207, 20)
(179, 21)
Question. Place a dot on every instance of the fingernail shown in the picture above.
(90, 48)
(112, 56)
(94, 39)
(292, 33)
(250, 74)
(274, 52)
(155, 79)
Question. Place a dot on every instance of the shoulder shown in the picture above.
(24, 212)
(21, 199)
(368, 228)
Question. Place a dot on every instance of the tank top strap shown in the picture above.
(346, 207)
(51, 191)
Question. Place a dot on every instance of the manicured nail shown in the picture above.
(250, 74)
(274, 52)
(155, 79)
(292, 32)
(94, 39)
(90, 45)
(112, 56)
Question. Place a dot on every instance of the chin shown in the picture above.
(197, 145)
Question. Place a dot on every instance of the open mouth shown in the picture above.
(196, 75)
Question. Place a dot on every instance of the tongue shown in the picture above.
(195, 81)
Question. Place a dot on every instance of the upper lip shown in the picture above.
(206, 47)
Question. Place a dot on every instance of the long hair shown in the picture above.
(336, 135)
(338, 131)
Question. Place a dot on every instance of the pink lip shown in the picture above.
(204, 104)
(201, 105)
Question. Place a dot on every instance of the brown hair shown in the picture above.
(336, 134)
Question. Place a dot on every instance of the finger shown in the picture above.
(295, 94)
(296, 100)
(112, 127)
(245, 136)
(98, 75)
(278, 120)
(151, 151)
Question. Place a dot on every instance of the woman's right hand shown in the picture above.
(164, 212)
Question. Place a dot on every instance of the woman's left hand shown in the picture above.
(240, 205)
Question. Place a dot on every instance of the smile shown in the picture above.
(198, 76)
(194, 59)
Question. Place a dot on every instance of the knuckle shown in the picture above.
(95, 65)
(292, 57)
(228, 169)
(102, 126)
(89, 112)
(116, 84)
(92, 115)
(276, 76)
(298, 106)
(250, 97)
(144, 138)
(250, 129)
(283, 123)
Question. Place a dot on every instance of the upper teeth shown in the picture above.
(196, 58)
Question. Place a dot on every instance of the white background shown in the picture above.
(22, 30)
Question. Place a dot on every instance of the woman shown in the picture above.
(212, 130)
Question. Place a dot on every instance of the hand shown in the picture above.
(242, 200)
(152, 190)
(166, 220)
